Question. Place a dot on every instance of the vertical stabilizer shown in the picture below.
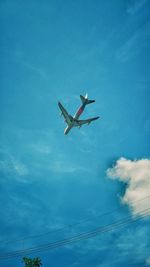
(83, 99)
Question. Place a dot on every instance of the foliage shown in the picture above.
(35, 262)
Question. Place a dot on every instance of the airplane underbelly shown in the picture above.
(79, 112)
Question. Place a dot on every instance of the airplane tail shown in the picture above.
(85, 100)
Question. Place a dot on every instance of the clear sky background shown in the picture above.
(52, 51)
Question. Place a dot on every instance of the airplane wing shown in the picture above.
(64, 113)
(87, 121)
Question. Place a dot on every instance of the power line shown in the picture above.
(82, 220)
(79, 237)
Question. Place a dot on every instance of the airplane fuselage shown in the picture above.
(79, 112)
(74, 122)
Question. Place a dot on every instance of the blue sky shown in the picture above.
(54, 51)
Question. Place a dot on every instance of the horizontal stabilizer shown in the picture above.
(96, 118)
(85, 100)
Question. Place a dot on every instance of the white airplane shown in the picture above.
(74, 121)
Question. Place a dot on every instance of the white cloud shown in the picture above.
(133, 243)
(135, 6)
(137, 176)
(148, 261)
(19, 167)
(41, 148)
(65, 166)
(135, 44)
(47, 154)
(35, 69)
(11, 165)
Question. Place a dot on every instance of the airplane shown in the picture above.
(74, 121)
